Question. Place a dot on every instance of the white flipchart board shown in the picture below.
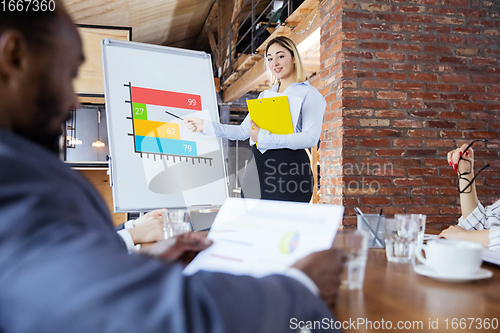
(155, 161)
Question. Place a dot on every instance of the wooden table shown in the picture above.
(394, 292)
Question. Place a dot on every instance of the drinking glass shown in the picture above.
(176, 222)
(401, 237)
(375, 222)
(419, 217)
(355, 244)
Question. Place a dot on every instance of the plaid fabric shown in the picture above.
(485, 218)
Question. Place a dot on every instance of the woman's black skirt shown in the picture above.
(279, 174)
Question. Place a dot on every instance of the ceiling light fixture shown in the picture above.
(98, 143)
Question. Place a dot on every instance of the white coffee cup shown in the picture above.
(451, 257)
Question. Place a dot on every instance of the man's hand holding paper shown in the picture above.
(260, 238)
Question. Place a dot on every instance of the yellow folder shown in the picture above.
(271, 114)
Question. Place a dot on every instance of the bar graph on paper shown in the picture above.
(155, 136)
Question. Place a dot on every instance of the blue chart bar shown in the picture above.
(147, 144)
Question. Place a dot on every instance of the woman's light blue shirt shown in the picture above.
(307, 129)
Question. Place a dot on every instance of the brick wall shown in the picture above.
(406, 81)
(331, 73)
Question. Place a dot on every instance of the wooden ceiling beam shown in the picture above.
(225, 16)
(211, 38)
(295, 20)
(213, 15)
(211, 24)
(257, 75)
(161, 22)
(308, 25)
(247, 82)
(236, 20)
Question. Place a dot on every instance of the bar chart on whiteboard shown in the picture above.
(156, 119)
(155, 160)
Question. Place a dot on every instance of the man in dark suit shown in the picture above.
(62, 267)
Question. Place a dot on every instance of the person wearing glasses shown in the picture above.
(477, 223)
(283, 170)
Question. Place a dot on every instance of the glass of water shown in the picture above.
(355, 245)
(421, 218)
(401, 237)
(176, 222)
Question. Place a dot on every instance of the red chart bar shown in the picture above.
(166, 98)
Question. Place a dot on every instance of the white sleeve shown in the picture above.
(127, 238)
(313, 109)
(482, 218)
(493, 215)
(232, 132)
(494, 238)
(302, 277)
(129, 224)
(485, 218)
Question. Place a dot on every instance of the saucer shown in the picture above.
(427, 271)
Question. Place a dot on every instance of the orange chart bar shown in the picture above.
(157, 129)
(166, 98)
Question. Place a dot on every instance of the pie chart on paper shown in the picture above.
(289, 242)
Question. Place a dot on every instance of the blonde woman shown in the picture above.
(283, 169)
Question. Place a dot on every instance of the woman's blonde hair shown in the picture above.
(287, 43)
